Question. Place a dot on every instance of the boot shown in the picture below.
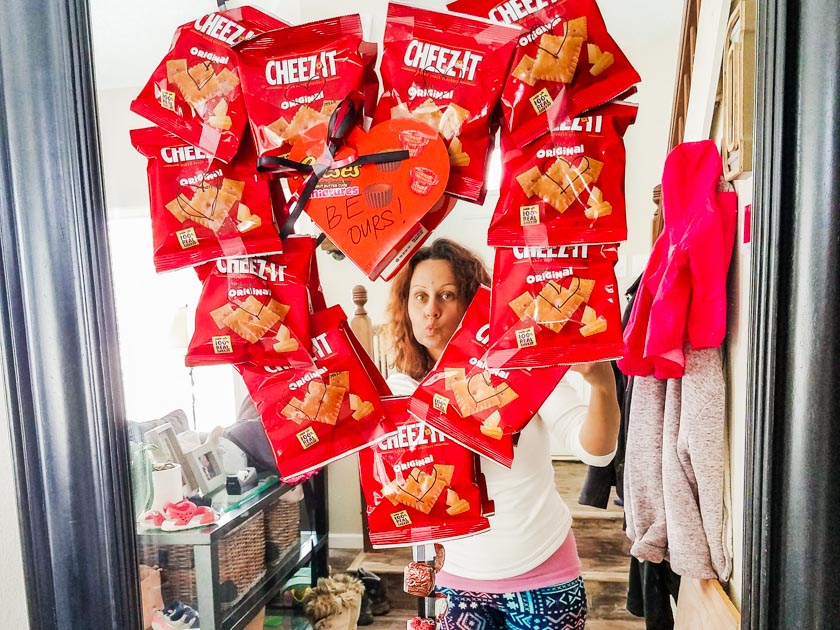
(375, 592)
(351, 591)
(365, 614)
(326, 611)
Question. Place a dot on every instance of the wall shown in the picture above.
(12, 583)
(737, 344)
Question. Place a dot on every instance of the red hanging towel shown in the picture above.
(682, 295)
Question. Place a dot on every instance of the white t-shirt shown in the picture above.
(531, 520)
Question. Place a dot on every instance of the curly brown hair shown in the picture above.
(407, 355)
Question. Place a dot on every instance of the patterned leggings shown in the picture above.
(561, 607)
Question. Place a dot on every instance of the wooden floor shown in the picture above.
(602, 546)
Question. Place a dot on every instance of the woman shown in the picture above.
(524, 572)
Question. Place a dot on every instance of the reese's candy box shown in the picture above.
(478, 406)
(566, 187)
(314, 416)
(255, 309)
(195, 91)
(565, 61)
(419, 486)
(295, 78)
(554, 305)
(203, 209)
(447, 70)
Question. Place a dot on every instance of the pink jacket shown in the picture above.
(682, 295)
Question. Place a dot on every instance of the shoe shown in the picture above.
(188, 518)
(375, 592)
(365, 613)
(181, 509)
(162, 619)
(151, 519)
(186, 619)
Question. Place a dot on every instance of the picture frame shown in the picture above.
(205, 463)
(168, 449)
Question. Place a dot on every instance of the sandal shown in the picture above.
(199, 517)
(184, 509)
(151, 519)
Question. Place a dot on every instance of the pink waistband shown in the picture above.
(562, 566)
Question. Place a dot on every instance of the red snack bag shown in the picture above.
(447, 71)
(195, 92)
(255, 309)
(566, 187)
(318, 415)
(418, 485)
(565, 63)
(554, 305)
(295, 78)
(203, 209)
(478, 407)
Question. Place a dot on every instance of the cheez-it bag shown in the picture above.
(479, 407)
(315, 416)
(566, 187)
(195, 92)
(295, 78)
(566, 61)
(447, 71)
(419, 486)
(554, 305)
(203, 209)
(255, 309)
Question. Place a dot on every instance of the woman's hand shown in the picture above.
(598, 374)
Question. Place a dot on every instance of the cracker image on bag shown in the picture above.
(557, 56)
(477, 393)
(209, 205)
(555, 303)
(562, 183)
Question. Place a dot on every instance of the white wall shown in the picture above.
(11, 561)
(737, 343)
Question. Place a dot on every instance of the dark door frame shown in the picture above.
(791, 543)
(60, 361)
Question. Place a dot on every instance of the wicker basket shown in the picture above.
(282, 529)
(177, 564)
(242, 556)
(241, 562)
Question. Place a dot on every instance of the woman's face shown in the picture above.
(434, 305)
